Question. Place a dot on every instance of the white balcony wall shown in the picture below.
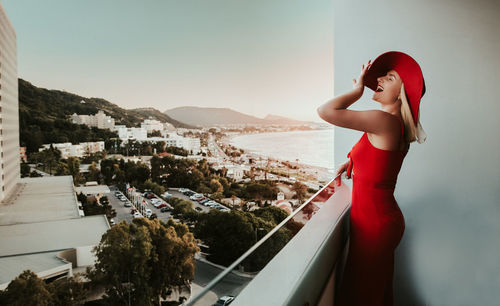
(448, 187)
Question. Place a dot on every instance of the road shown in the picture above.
(231, 284)
(215, 149)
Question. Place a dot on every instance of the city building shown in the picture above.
(42, 227)
(92, 147)
(126, 133)
(68, 149)
(152, 125)
(9, 108)
(99, 120)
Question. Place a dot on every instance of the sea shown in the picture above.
(313, 147)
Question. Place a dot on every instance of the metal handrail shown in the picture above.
(254, 247)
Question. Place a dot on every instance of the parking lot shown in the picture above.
(124, 213)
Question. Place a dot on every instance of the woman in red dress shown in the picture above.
(376, 222)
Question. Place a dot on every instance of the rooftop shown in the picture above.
(41, 199)
(29, 238)
(11, 267)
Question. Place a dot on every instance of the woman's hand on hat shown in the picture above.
(359, 84)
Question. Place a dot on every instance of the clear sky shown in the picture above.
(258, 57)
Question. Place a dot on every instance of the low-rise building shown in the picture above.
(42, 229)
(126, 134)
(99, 120)
(68, 149)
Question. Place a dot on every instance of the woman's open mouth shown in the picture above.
(379, 88)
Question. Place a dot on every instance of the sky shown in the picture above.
(257, 57)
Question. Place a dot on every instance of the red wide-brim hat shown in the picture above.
(409, 71)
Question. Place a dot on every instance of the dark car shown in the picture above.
(204, 201)
(166, 209)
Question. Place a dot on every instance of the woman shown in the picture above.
(376, 222)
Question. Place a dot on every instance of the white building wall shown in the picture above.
(84, 256)
(449, 187)
(9, 108)
(152, 125)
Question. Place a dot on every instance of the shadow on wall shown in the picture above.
(449, 252)
(405, 289)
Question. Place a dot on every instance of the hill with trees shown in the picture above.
(44, 116)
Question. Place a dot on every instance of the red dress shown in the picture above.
(376, 225)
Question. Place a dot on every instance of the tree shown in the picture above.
(300, 190)
(216, 186)
(140, 261)
(25, 169)
(94, 173)
(26, 289)
(271, 213)
(230, 234)
(74, 168)
(154, 187)
(67, 292)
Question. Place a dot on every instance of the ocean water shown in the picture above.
(309, 147)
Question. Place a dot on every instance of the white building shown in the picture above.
(92, 147)
(78, 150)
(168, 127)
(42, 228)
(192, 145)
(9, 108)
(99, 120)
(126, 134)
(152, 125)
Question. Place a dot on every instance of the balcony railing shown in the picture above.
(303, 272)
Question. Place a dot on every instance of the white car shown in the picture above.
(148, 212)
(137, 215)
(196, 196)
(166, 195)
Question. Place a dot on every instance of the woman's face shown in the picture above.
(389, 88)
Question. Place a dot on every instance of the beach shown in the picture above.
(305, 172)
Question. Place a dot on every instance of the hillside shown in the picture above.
(283, 120)
(209, 116)
(44, 113)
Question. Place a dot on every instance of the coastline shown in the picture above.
(322, 174)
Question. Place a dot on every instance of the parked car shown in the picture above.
(148, 212)
(155, 200)
(137, 215)
(196, 196)
(200, 199)
(132, 211)
(161, 205)
(112, 222)
(165, 209)
(225, 300)
(166, 195)
(204, 201)
(128, 204)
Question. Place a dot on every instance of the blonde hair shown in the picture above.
(411, 128)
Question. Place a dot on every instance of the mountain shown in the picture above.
(284, 120)
(210, 116)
